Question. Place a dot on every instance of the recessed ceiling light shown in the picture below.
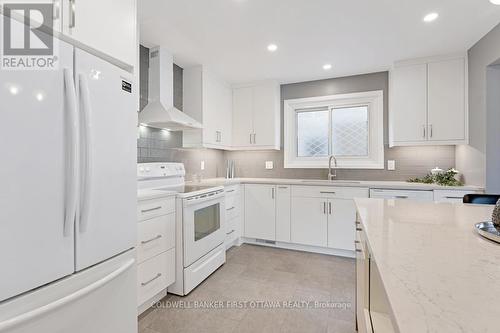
(431, 17)
(272, 47)
(327, 67)
(495, 2)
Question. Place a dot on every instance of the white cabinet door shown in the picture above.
(210, 109)
(242, 117)
(266, 115)
(36, 178)
(341, 221)
(283, 213)
(108, 26)
(106, 225)
(260, 211)
(409, 103)
(446, 94)
(309, 223)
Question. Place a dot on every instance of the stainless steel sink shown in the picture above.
(331, 181)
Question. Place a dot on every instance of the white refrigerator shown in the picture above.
(68, 197)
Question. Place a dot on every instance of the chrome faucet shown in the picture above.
(331, 175)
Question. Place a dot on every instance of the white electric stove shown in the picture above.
(200, 229)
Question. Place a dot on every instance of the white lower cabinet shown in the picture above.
(402, 194)
(233, 215)
(324, 216)
(155, 249)
(309, 223)
(342, 214)
(283, 211)
(260, 211)
(450, 196)
(154, 275)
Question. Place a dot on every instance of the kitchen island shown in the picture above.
(426, 269)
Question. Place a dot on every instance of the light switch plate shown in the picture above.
(391, 165)
(202, 165)
(269, 165)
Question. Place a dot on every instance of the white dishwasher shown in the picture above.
(420, 195)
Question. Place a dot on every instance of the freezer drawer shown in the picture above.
(100, 299)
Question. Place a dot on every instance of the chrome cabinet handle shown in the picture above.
(447, 197)
(283, 187)
(423, 127)
(359, 229)
(229, 233)
(327, 192)
(357, 242)
(151, 239)
(229, 191)
(149, 281)
(330, 208)
(272, 192)
(401, 196)
(324, 207)
(230, 208)
(358, 250)
(430, 130)
(150, 209)
(72, 18)
(254, 138)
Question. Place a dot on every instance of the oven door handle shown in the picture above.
(193, 201)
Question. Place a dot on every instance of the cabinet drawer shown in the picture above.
(154, 275)
(232, 211)
(156, 207)
(329, 192)
(450, 196)
(155, 235)
(232, 190)
(402, 194)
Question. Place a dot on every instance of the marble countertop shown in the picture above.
(147, 194)
(438, 273)
(346, 183)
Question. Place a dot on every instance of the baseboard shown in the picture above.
(300, 247)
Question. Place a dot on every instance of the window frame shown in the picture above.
(374, 100)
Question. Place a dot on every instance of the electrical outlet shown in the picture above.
(202, 165)
(269, 165)
(391, 165)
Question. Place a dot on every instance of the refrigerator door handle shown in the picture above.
(30, 315)
(87, 153)
(72, 176)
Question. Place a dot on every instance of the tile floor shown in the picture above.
(285, 291)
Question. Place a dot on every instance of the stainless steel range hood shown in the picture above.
(160, 111)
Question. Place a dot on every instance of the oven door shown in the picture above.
(203, 225)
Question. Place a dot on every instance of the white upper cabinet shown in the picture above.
(409, 104)
(428, 104)
(256, 116)
(446, 100)
(107, 26)
(208, 100)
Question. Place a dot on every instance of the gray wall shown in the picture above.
(410, 161)
(493, 129)
(473, 159)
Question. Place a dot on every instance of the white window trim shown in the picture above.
(375, 102)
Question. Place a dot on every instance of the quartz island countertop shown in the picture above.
(438, 273)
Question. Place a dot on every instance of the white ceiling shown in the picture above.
(230, 37)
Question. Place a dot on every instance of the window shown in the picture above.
(349, 126)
